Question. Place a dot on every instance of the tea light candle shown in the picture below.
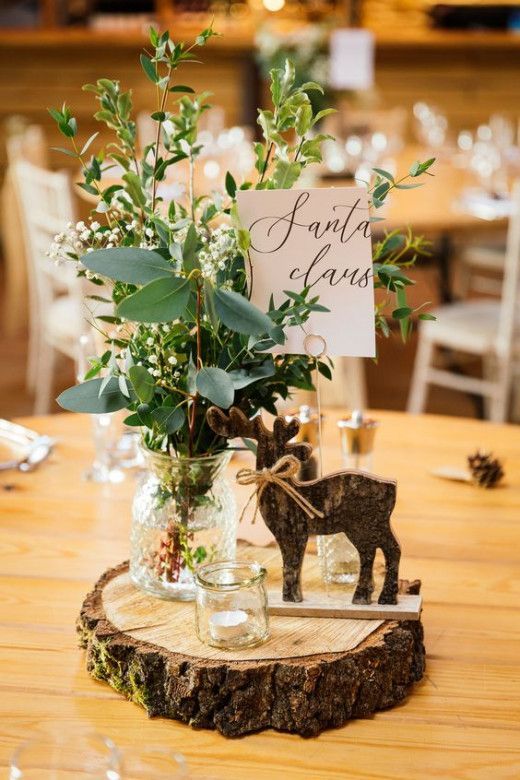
(231, 604)
(228, 624)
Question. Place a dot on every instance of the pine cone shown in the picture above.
(486, 471)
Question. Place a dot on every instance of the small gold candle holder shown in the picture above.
(357, 435)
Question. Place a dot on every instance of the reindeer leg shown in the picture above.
(365, 586)
(392, 553)
(292, 554)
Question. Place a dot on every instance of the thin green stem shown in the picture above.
(162, 106)
(94, 183)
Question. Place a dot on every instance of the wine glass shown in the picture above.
(115, 445)
(66, 757)
(156, 764)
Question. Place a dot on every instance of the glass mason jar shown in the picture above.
(231, 605)
(184, 514)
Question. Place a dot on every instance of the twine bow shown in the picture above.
(279, 474)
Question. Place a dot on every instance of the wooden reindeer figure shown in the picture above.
(357, 504)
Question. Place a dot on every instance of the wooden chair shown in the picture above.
(480, 327)
(56, 317)
(24, 142)
(480, 270)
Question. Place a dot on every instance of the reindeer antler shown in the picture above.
(284, 431)
(230, 425)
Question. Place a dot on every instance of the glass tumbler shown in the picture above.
(115, 444)
(231, 604)
(153, 764)
(66, 757)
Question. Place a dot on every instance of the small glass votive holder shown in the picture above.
(57, 756)
(231, 604)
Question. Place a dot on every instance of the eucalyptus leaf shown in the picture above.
(128, 264)
(189, 249)
(242, 377)
(170, 419)
(86, 398)
(162, 300)
(142, 382)
(149, 68)
(401, 313)
(286, 174)
(239, 314)
(209, 305)
(134, 188)
(215, 385)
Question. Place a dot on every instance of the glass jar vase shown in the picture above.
(231, 605)
(184, 514)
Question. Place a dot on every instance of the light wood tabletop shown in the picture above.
(59, 533)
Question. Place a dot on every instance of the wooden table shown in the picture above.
(57, 534)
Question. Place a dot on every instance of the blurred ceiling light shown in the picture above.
(237, 134)
(484, 133)
(465, 140)
(353, 145)
(379, 141)
(211, 169)
(273, 5)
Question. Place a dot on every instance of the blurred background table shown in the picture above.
(57, 534)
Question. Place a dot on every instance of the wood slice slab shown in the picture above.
(312, 674)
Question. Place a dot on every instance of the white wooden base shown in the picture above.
(317, 605)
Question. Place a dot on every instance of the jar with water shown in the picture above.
(184, 514)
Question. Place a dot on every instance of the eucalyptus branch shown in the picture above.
(162, 106)
(194, 338)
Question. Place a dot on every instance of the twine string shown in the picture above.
(283, 470)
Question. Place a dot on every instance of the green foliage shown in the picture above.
(162, 300)
(183, 334)
(128, 264)
(238, 314)
(396, 253)
(216, 385)
(93, 398)
(142, 382)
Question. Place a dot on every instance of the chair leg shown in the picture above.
(419, 383)
(44, 379)
(499, 403)
(33, 353)
(490, 372)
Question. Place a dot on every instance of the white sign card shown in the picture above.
(317, 238)
(351, 59)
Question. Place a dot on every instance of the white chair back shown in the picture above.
(508, 322)
(28, 144)
(46, 206)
